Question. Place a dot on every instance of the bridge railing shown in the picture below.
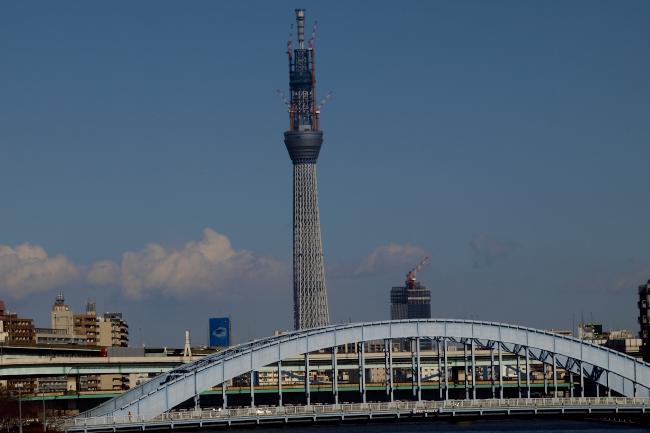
(351, 408)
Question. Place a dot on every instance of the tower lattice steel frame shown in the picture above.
(303, 140)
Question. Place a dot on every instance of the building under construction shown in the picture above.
(413, 300)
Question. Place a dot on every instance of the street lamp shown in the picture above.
(20, 407)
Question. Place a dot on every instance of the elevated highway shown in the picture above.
(66, 366)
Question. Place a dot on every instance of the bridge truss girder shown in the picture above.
(624, 374)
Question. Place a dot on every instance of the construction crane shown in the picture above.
(410, 277)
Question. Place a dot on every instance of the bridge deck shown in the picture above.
(364, 411)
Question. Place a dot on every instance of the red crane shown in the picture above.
(410, 277)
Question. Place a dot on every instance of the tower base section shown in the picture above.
(310, 294)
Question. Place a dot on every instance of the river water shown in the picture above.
(487, 426)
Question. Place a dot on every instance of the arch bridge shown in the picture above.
(442, 340)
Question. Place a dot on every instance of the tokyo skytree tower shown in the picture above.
(303, 140)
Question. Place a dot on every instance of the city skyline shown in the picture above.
(143, 164)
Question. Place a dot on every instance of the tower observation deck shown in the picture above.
(303, 140)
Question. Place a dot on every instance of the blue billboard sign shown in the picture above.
(219, 331)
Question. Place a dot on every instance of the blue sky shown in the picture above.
(507, 140)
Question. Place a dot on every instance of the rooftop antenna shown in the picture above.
(300, 20)
(573, 324)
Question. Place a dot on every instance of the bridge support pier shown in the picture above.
(252, 390)
(224, 396)
(197, 401)
(554, 376)
(307, 380)
(280, 383)
(445, 370)
(466, 371)
(494, 395)
(500, 371)
(413, 385)
(388, 367)
(418, 368)
(335, 375)
(518, 372)
(582, 380)
(527, 373)
(362, 371)
(439, 369)
(473, 370)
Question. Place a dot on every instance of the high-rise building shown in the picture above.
(644, 319)
(113, 331)
(303, 141)
(412, 301)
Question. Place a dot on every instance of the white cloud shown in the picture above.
(27, 269)
(384, 258)
(210, 264)
(103, 273)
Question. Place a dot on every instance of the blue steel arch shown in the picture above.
(623, 374)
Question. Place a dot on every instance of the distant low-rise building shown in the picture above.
(590, 331)
(57, 336)
(86, 324)
(14, 329)
(63, 330)
(62, 316)
(621, 340)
